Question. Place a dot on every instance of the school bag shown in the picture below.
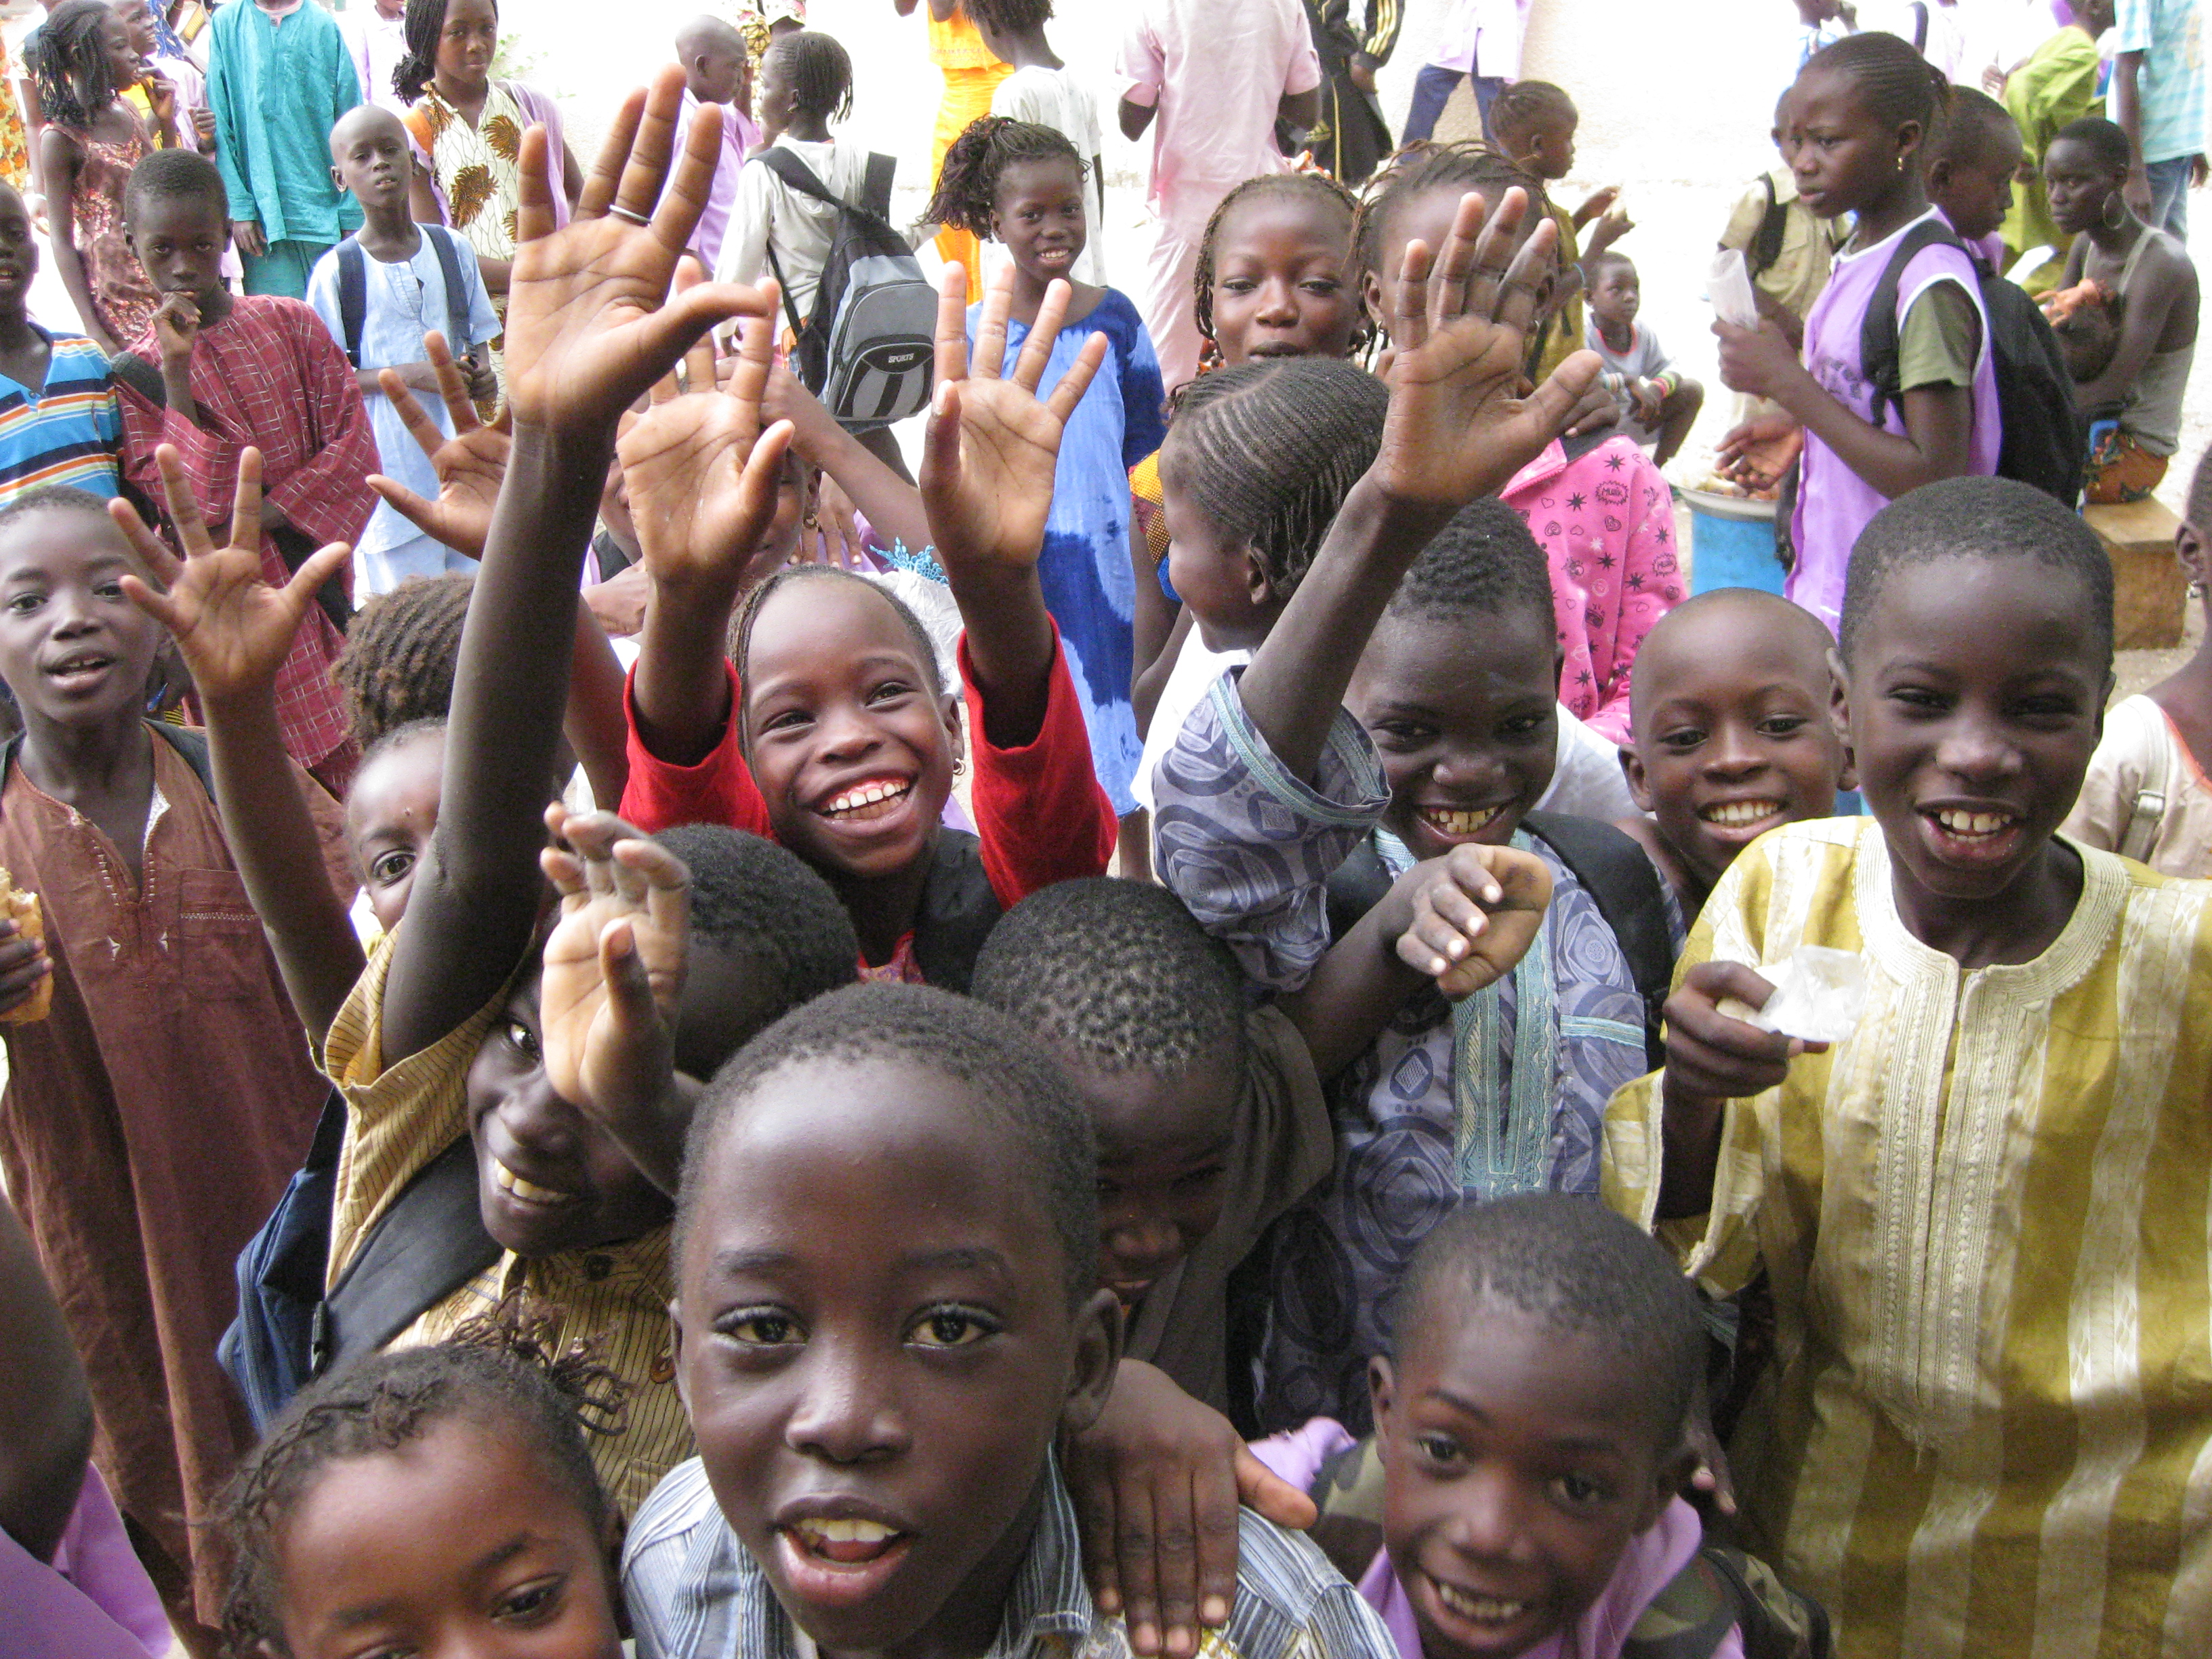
(2044, 442)
(353, 291)
(868, 350)
(1766, 242)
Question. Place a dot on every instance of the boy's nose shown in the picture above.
(1976, 751)
(846, 1411)
(1140, 1239)
(1485, 1521)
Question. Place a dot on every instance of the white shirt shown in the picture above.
(376, 43)
(1483, 37)
(801, 229)
(1059, 100)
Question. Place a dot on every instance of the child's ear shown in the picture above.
(1839, 698)
(948, 708)
(1371, 300)
(338, 180)
(1259, 586)
(2194, 553)
(1098, 1338)
(676, 1352)
(1632, 769)
(1382, 1395)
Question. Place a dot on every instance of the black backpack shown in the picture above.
(868, 350)
(2044, 442)
(352, 292)
(1766, 244)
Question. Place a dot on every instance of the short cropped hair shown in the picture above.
(176, 175)
(1976, 519)
(1484, 562)
(1582, 1270)
(750, 898)
(1047, 1130)
(1976, 119)
(54, 498)
(1118, 971)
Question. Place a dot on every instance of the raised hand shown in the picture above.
(702, 475)
(232, 628)
(1458, 427)
(1475, 913)
(587, 329)
(469, 464)
(992, 443)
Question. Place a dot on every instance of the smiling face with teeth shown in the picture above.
(1040, 217)
(73, 650)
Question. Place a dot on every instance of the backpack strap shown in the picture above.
(1622, 881)
(1766, 245)
(2153, 793)
(457, 300)
(140, 376)
(1878, 347)
(876, 191)
(353, 295)
(788, 167)
(1690, 1617)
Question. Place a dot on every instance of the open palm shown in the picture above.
(469, 464)
(233, 627)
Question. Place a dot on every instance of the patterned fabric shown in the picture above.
(269, 374)
(14, 147)
(2121, 468)
(479, 167)
(1988, 1425)
(2171, 84)
(693, 1592)
(67, 431)
(1606, 520)
(399, 1118)
(1248, 847)
(121, 296)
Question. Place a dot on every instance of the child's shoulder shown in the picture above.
(1289, 1600)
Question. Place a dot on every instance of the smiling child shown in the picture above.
(1949, 1199)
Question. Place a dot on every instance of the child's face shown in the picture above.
(18, 252)
(776, 105)
(1976, 194)
(1425, 218)
(459, 1542)
(1163, 1147)
(73, 650)
(548, 1178)
(850, 747)
(1547, 149)
(1618, 295)
(180, 240)
(1518, 1462)
(390, 810)
(122, 55)
(138, 30)
(1278, 285)
(876, 1349)
(1972, 702)
(1846, 158)
(1040, 216)
(1732, 734)
(2078, 185)
(716, 72)
(468, 40)
(369, 157)
(1463, 710)
(1217, 576)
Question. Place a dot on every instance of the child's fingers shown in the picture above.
(453, 383)
(665, 335)
(318, 569)
(419, 427)
(1409, 325)
(764, 473)
(665, 881)
(645, 169)
(630, 986)
(1134, 1533)
(1036, 350)
(940, 443)
(1077, 381)
(989, 361)
(1552, 403)
(599, 192)
(1095, 1524)
(418, 510)
(1213, 1504)
(160, 606)
(1516, 303)
(690, 174)
(666, 390)
(533, 205)
(151, 549)
(1453, 278)
(756, 359)
(564, 870)
(245, 503)
(184, 506)
(952, 325)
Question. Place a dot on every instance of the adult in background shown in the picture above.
(2158, 99)
(972, 72)
(1481, 38)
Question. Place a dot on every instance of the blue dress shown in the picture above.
(1085, 571)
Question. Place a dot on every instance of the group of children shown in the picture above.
(814, 1208)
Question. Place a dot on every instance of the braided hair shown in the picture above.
(966, 196)
(1419, 168)
(75, 84)
(502, 1371)
(821, 71)
(1269, 449)
(397, 666)
(1522, 106)
(1009, 16)
(1895, 82)
(741, 630)
(1296, 186)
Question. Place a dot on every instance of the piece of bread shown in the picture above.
(23, 909)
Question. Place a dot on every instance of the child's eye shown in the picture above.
(1919, 699)
(1581, 1490)
(1437, 1448)
(1327, 287)
(1238, 285)
(1783, 725)
(108, 591)
(1198, 1180)
(1681, 742)
(787, 720)
(23, 604)
(1402, 734)
(951, 1327)
(760, 1328)
(1521, 726)
(534, 1603)
(524, 1040)
(890, 691)
(390, 866)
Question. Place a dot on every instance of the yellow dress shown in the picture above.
(1987, 1218)
(972, 73)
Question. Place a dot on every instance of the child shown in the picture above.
(2018, 1113)
(1023, 185)
(214, 374)
(163, 74)
(2150, 273)
(467, 129)
(432, 1499)
(59, 421)
(1663, 401)
(972, 74)
(887, 1292)
(1858, 115)
(2146, 796)
(1534, 123)
(1732, 737)
(1210, 1120)
(397, 665)
(1971, 166)
(169, 1032)
(1787, 248)
(90, 142)
(825, 724)
(1529, 1423)
(718, 69)
(403, 297)
(1042, 91)
(279, 78)
(1215, 75)
(376, 41)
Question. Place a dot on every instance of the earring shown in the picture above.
(2196, 588)
(959, 765)
(2114, 206)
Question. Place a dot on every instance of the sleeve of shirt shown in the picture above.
(2115, 776)
(1039, 814)
(1939, 339)
(718, 789)
(1141, 65)
(108, 421)
(209, 458)
(1248, 846)
(323, 296)
(744, 245)
(1384, 18)
(1304, 74)
(1298, 1455)
(484, 322)
(1290, 1137)
(1745, 218)
(2131, 26)
(329, 497)
(1651, 586)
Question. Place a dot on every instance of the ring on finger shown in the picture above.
(631, 214)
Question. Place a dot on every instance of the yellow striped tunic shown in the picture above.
(1987, 1217)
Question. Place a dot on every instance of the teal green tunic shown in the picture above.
(277, 87)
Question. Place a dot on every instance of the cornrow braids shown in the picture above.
(967, 196)
(1895, 82)
(397, 666)
(821, 72)
(424, 22)
(741, 630)
(76, 85)
(1419, 168)
(1517, 110)
(1317, 187)
(1010, 16)
(1268, 450)
(504, 1371)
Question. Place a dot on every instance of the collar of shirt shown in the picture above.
(635, 1268)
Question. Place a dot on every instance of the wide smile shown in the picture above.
(1461, 823)
(839, 1561)
(1977, 837)
(867, 801)
(1742, 819)
(528, 1193)
(1477, 1620)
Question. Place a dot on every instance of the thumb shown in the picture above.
(320, 568)
(1261, 1489)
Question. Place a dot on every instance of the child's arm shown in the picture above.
(588, 333)
(59, 153)
(234, 631)
(893, 505)
(324, 496)
(49, 1439)
(1455, 430)
(614, 973)
(1461, 921)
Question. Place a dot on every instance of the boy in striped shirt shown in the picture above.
(59, 423)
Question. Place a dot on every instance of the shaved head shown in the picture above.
(707, 33)
(1728, 622)
(361, 120)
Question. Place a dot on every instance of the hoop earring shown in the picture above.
(2111, 203)
(2197, 590)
